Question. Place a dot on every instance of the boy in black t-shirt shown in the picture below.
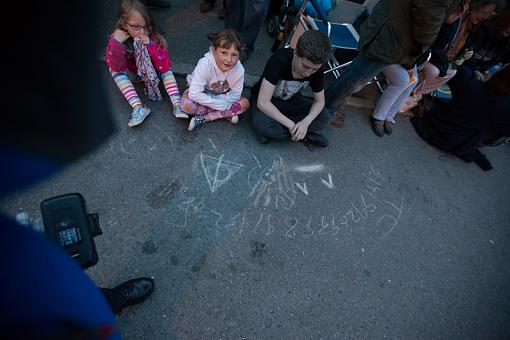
(278, 110)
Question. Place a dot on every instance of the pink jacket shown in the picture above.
(120, 59)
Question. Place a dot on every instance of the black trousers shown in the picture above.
(295, 108)
(115, 299)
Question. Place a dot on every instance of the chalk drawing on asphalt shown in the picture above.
(218, 171)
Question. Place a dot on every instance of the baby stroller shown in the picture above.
(292, 22)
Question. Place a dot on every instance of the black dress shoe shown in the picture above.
(387, 128)
(315, 139)
(378, 127)
(135, 290)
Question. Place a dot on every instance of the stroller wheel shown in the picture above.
(272, 26)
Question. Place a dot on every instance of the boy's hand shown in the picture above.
(299, 131)
(120, 35)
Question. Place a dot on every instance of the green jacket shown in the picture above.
(399, 31)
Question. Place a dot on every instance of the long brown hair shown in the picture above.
(499, 83)
(127, 7)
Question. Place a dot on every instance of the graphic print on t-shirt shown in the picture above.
(219, 87)
(285, 89)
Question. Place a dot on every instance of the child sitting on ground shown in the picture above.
(279, 111)
(136, 46)
(216, 83)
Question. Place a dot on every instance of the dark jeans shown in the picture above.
(247, 17)
(359, 74)
(114, 298)
(295, 108)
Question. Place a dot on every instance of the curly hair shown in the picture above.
(314, 46)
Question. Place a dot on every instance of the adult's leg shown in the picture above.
(394, 95)
(254, 19)
(235, 14)
(114, 299)
(361, 72)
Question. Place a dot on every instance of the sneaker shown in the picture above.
(135, 291)
(387, 127)
(157, 4)
(195, 122)
(378, 127)
(206, 6)
(138, 115)
(315, 139)
(179, 114)
(234, 120)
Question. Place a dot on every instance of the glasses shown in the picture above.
(136, 27)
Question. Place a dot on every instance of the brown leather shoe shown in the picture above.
(221, 15)
(338, 120)
(206, 6)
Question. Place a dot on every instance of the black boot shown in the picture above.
(133, 292)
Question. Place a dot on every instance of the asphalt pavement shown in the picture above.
(369, 238)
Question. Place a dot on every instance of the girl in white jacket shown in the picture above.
(216, 83)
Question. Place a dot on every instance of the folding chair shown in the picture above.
(342, 36)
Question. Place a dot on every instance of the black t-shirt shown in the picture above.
(278, 72)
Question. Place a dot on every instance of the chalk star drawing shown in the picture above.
(218, 171)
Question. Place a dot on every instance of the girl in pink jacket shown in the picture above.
(136, 47)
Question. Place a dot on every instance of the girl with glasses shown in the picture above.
(136, 47)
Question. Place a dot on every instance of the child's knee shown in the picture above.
(245, 104)
(119, 74)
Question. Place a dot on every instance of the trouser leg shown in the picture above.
(254, 19)
(295, 108)
(361, 72)
(394, 95)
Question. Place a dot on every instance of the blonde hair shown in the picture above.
(127, 8)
